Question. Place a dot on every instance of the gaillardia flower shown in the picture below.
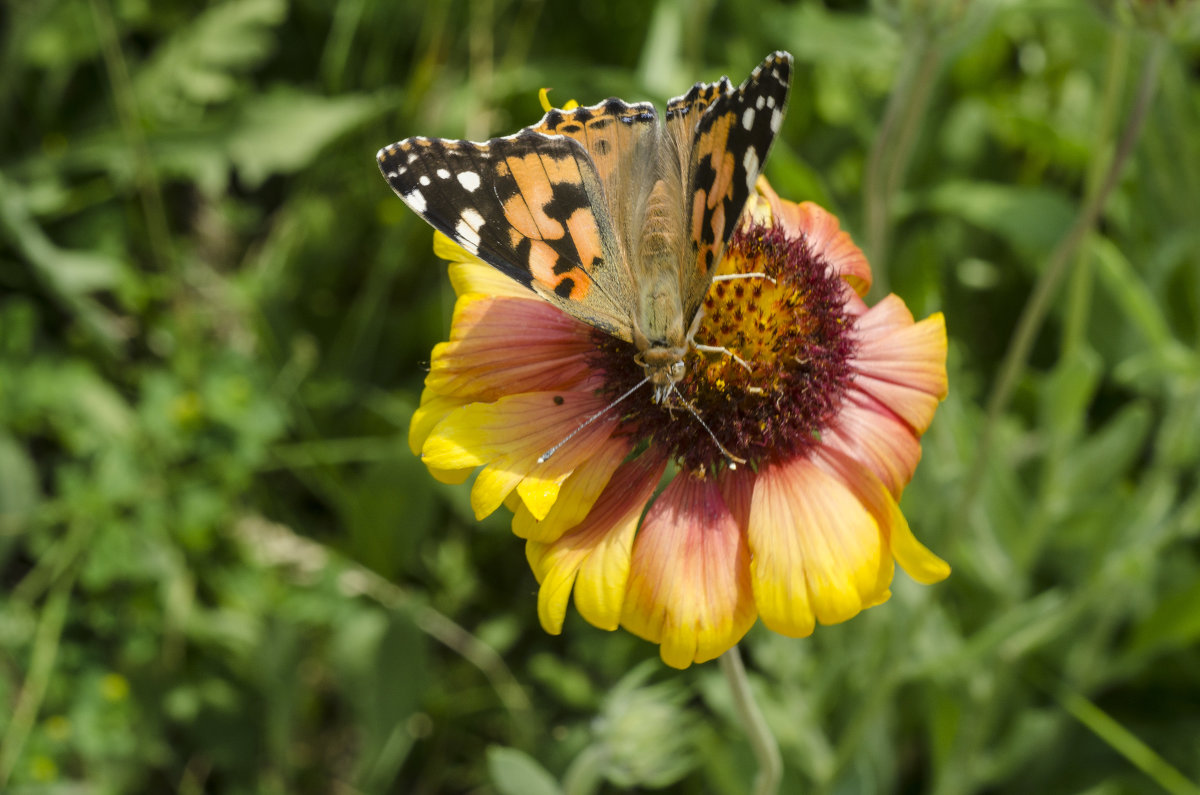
(824, 403)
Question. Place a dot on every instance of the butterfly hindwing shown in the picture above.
(525, 204)
(732, 135)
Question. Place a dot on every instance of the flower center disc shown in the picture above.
(791, 332)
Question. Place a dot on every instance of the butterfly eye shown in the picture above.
(677, 371)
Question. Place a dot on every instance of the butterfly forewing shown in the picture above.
(622, 141)
(730, 141)
(525, 205)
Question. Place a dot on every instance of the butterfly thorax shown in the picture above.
(658, 331)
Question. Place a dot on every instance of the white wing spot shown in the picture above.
(758, 103)
(750, 163)
(748, 119)
(469, 180)
(770, 102)
(402, 170)
(412, 157)
(472, 217)
(415, 200)
(443, 173)
(393, 174)
(467, 237)
(776, 120)
(424, 180)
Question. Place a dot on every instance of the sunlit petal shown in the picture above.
(816, 549)
(593, 557)
(689, 586)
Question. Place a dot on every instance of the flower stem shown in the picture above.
(37, 680)
(129, 116)
(893, 146)
(762, 741)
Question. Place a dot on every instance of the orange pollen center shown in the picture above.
(772, 358)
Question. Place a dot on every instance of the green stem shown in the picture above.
(1038, 305)
(1079, 291)
(41, 666)
(762, 741)
(129, 116)
(1126, 743)
(893, 146)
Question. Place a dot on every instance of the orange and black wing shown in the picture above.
(531, 205)
(726, 134)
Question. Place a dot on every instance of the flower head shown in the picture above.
(822, 397)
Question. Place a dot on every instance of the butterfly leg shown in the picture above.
(691, 338)
(728, 277)
(726, 351)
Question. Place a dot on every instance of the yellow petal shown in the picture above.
(509, 435)
(873, 435)
(817, 550)
(902, 363)
(493, 484)
(689, 585)
(472, 276)
(593, 557)
(452, 477)
(579, 493)
(917, 561)
(539, 492)
(503, 346)
(432, 410)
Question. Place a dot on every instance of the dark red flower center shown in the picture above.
(791, 332)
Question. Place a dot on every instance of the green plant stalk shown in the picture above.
(893, 147)
(1078, 301)
(153, 207)
(1038, 305)
(41, 666)
(762, 741)
(1127, 744)
(1079, 292)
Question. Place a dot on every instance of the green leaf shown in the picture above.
(69, 276)
(1098, 463)
(824, 37)
(20, 492)
(1175, 622)
(514, 772)
(1031, 219)
(1129, 292)
(201, 63)
(284, 130)
(1069, 392)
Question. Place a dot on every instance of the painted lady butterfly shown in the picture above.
(614, 218)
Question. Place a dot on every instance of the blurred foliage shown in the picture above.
(222, 571)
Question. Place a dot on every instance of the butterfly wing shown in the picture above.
(726, 134)
(559, 206)
(531, 205)
(623, 142)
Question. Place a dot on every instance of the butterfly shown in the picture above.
(618, 219)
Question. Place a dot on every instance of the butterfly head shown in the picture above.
(664, 368)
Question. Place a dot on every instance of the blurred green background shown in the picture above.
(222, 571)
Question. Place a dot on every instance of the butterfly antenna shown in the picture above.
(544, 457)
(733, 459)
